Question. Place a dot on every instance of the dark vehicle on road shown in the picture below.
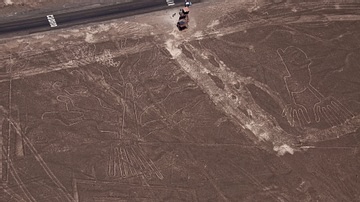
(183, 19)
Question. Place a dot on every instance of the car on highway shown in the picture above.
(170, 2)
(51, 20)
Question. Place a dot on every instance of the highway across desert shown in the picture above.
(231, 100)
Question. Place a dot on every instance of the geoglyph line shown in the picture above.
(19, 182)
(273, 21)
(41, 161)
(71, 64)
(198, 71)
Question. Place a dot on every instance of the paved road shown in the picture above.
(40, 23)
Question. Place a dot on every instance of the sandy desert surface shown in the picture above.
(256, 101)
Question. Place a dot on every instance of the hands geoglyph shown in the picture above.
(298, 80)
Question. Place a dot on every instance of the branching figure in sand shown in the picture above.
(129, 160)
(298, 84)
(126, 157)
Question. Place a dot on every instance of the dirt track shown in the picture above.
(248, 104)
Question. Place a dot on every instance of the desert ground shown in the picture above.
(255, 101)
